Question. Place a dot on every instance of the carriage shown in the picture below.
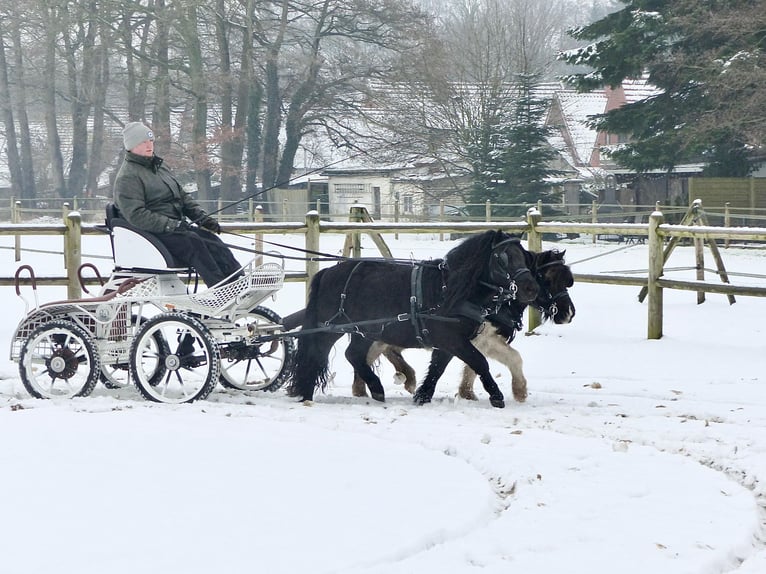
(176, 346)
(144, 325)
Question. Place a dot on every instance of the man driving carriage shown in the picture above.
(150, 197)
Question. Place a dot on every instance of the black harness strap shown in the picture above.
(341, 306)
(416, 306)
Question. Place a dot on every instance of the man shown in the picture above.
(150, 197)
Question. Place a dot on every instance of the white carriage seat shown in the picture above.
(136, 249)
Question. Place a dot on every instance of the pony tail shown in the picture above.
(310, 366)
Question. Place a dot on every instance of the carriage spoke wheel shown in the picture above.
(59, 360)
(117, 376)
(183, 369)
(254, 365)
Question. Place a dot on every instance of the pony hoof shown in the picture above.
(469, 396)
(379, 397)
(420, 399)
(497, 403)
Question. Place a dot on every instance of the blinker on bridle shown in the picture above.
(502, 258)
(499, 259)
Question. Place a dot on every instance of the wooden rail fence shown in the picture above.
(656, 232)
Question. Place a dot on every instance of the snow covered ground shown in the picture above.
(629, 456)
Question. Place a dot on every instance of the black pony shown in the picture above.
(554, 277)
(436, 304)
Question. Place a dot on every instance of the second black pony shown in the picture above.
(437, 304)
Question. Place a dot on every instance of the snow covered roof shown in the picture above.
(576, 109)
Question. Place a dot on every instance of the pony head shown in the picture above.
(554, 278)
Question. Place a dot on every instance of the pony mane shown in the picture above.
(466, 263)
(545, 257)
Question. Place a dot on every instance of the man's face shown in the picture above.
(145, 148)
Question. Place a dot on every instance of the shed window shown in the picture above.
(353, 190)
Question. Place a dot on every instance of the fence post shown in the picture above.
(534, 243)
(594, 218)
(250, 214)
(64, 214)
(441, 217)
(654, 291)
(356, 215)
(257, 216)
(312, 245)
(73, 253)
(284, 210)
(488, 211)
(726, 221)
(699, 251)
(396, 217)
(16, 218)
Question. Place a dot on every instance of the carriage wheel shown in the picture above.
(260, 366)
(59, 360)
(117, 376)
(183, 370)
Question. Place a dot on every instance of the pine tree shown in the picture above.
(518, 167)
(707, 59)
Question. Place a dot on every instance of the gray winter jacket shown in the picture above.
(150, 197)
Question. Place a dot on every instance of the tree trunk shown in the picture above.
(99, 83)
(198, 150)
(233, 122)
(254, 102)
(28, 189)
(11, 147)
(161, 112)
(273, 119)
(56, 160)
(80, 81)
(297, 110)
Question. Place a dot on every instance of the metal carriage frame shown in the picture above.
(145, 327)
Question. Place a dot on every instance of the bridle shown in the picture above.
(499, 267)
(548, 305)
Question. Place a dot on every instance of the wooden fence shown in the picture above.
(656, 234)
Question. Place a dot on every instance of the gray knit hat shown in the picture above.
(135, 133)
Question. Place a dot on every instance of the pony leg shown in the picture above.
(494, 346)
(465, 391)
(356, 354)
(394, 356)
(359, 387)
(439, 361)
(481, 342)
(511, 358)
(474, 359)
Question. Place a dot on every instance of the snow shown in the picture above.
(629, 456)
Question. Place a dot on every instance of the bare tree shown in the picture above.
(234, 91)
(452, 99)
(318, 57)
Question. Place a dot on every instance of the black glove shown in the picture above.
(176, 225)
(210, 224)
